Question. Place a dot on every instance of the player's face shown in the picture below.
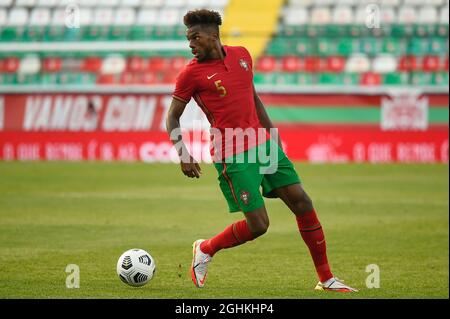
(201, 42)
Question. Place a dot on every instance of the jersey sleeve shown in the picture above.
(185, 85)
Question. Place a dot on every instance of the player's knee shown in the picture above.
(302, 204)
(260, 228)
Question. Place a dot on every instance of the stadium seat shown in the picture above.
(408, 63)
(407, 15)
(291, 64)
(5, 3)
(266, 64)
(25, 3)
(130, 3)
(157, 64)
(342, 15)
(3, 17)
(168, 17)
(395, 78)
(52, 64)
(335, 64)
(176, 64)
(147, 17)
(371, 79)
(320, 16)
(357, 63)
(103, 17)
(152, 3)
(428, 15)
(40, 17)
(47, 3)
(384, 63)
(421, 78)
(390, 3)
(431, 64)
(30, 64)
(92, 64)
(148, 78)
(108, 3)
(300, 3)
(413, 2)
(9, 65)
(18, 17)
(136, 64)
(313, 64)
(114, 64)
(175, 3)
(444, 18)
(296, 16)
(198, 4)
(125, 17)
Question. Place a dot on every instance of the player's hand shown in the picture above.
(191, 169)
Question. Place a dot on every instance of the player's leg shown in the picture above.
(239, 183)
(298, 201)
(254, 225)
(309, 226)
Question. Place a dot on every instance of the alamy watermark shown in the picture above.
(234, 145)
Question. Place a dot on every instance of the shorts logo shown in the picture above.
(244, 64)
(245, 196)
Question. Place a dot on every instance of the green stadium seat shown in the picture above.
(347, 46)
(34, 34)
(351, 78)
(394, 46)
(419, 46)
(306, 78)
(11, 34)
(264, 78)
(421, 78)
(330, 78)
(304, 47)
(396, 78)
(283, 78)
(440, 78)
(8, 79)
(371, 46)
(118, 33)
(327, 47)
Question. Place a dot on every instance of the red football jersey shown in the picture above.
(223, 89)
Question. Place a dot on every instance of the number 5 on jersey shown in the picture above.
(220, 88)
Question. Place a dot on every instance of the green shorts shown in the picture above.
(242, 175)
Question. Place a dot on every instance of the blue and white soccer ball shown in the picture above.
(136, 267)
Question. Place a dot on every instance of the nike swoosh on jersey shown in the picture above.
(211, 76)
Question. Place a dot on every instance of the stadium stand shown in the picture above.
(128, 42)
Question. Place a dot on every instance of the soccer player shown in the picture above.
(220, 79)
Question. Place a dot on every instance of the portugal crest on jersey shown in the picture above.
(245, 196)
(244, 64)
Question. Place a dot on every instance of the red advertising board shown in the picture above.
(131, 128)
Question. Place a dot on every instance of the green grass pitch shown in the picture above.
(55, 214)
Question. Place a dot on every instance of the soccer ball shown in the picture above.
(136, 267)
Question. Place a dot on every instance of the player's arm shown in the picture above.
(263, 116)
(188, 164)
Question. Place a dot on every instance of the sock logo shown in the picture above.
(320, 242)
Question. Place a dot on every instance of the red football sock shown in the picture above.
(234, 235)
(313, 236)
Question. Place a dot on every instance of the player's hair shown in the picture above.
(202, 17)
